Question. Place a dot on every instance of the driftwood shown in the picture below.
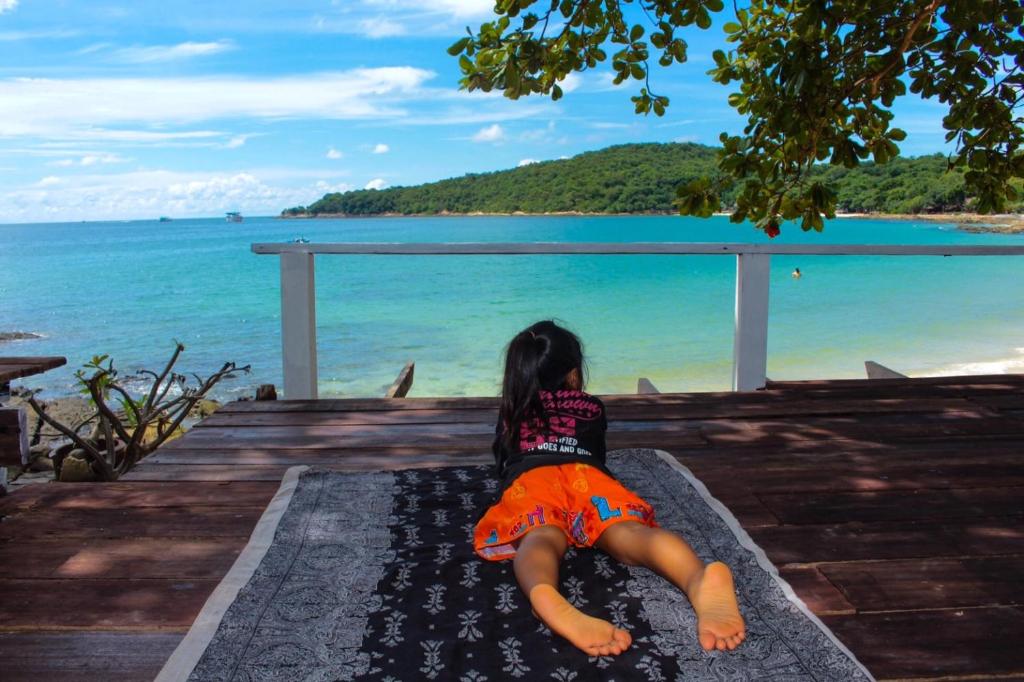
(644, 386)
(403, 383)
(877, 371)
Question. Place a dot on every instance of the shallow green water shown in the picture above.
(129, 288)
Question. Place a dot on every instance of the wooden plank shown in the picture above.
(85, 656)
(881, 429)
(924, 644)
(961, 380)
(158, 522)
(122, 495)
(213, 472)
(855, 474)
(138, 605)
(47, 361)
(357, 458)
(439, 440)
(929, 583)
(819, 508)
(123, 558)
(620, 412)
(17, 367)
(820, 595)
(402, 383)
(748, 510)
(13, 436)
(890, 540)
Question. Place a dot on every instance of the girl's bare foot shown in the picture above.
(719, 623)
(595, 637)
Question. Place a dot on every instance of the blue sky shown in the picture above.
(118, 110)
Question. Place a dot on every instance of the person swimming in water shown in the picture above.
(797, 274)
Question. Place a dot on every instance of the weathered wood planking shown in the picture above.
(952, 582)
(119, 558)
(122, 495)
(619, 412)
(85, 656)
(17, 367)
(959, 643)
(119, 605)
(889, 506)
(859, 541)
(151, 522)
(900, 505)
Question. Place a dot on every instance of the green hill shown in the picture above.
(640, 178)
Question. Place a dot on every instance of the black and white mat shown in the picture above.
(372, 576)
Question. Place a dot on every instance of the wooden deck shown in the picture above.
(894, 507)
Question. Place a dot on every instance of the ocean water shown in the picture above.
(129, 289)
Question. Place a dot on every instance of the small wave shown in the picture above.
(1013, 365)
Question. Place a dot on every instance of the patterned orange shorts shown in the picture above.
(579, 499)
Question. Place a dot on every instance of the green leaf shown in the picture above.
(458, 46)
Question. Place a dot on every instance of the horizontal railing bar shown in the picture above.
(638, 249)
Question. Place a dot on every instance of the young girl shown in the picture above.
(556, 491)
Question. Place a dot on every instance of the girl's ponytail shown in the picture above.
(538, 358)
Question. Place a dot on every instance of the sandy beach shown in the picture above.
(1001, 223)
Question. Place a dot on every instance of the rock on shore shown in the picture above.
(18, 336)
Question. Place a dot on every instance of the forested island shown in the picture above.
(642, 178)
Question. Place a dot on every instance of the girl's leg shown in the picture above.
(538, 556)
(709, 588)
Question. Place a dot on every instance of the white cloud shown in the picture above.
(376, 183)
(92, 159)
(147, 194)
(572, 81)
(462, 9)
(333, 153)
(13, 36)
(381, 27)
(381, 149)
(492, 133)
(386, 18)
(169, 53)
(527, 162)
(237, 141)
(7, 5)
(92, 108)
(607, 125)
(326, 188)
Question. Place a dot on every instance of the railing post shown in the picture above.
(298, 326)
(750, 343)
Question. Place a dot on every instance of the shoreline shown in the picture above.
(1000, 223)
(74, 406)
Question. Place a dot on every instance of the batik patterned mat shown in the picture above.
(372, 576)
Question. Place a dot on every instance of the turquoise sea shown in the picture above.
(129, 289)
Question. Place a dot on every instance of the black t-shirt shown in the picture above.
(571, 429)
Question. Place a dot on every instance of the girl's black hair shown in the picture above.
(538, 358)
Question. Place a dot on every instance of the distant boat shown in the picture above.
(234, 217)
(300, 240)
(164, 219)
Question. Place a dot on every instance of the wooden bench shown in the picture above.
(13, 421)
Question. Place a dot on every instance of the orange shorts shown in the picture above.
(579, 499)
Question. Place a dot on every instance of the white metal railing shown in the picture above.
(753, 264)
